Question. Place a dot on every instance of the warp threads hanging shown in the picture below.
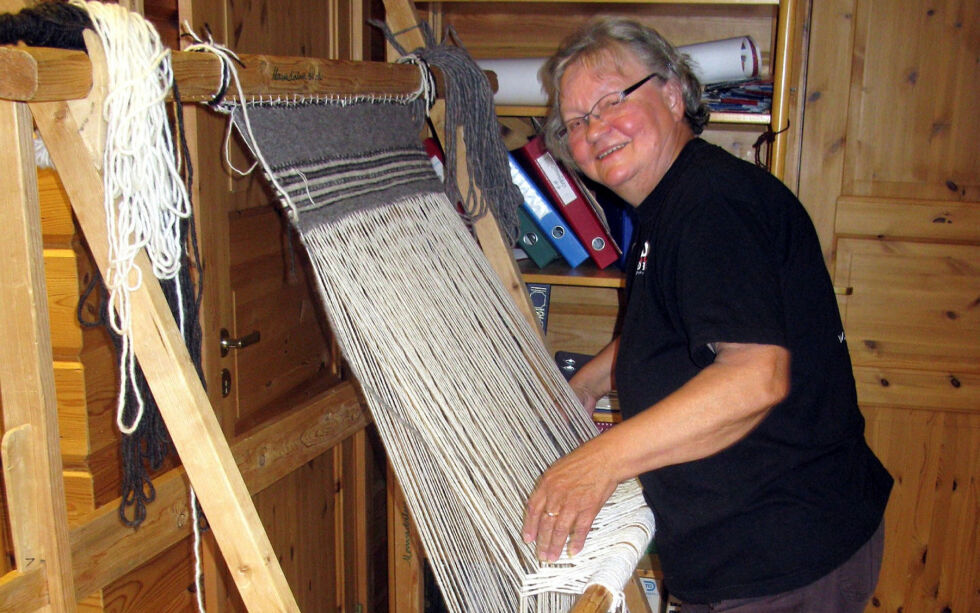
(469, 404)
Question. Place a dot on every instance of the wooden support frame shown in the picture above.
(41, 530)
(31, 454)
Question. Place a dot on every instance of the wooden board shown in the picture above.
(32, 461)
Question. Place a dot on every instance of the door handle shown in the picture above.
(228, 343)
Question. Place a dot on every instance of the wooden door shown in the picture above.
(891, 174)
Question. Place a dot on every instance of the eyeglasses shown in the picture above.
(604, 108)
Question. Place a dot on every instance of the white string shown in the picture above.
(198, 571)
(145, 198)
(469, 404)
(228, 60)
(427, 84)
(41, 156)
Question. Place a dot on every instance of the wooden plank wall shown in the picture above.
(891, 175)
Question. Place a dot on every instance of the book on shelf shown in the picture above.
(569, 200)
(619, 217)
(739, 97)
(544, 214)
(533, 242)
(654, 593)
(540, 296)
(606, 413)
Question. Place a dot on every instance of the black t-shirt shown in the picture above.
(724, 252)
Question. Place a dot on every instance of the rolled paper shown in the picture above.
(517, 81)
(731, 59)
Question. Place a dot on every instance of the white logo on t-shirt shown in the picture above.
(641, 266)
(840, 337)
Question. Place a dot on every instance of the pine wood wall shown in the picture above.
(891, 174)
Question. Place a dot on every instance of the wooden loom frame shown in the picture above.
(59, 90)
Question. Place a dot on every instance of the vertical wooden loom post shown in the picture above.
(779, 116)
(31, 450)
(167, 366)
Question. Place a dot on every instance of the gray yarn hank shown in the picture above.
(469, 104)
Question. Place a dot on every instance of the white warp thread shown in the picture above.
(42, 159)
(469, 404)
(145, 198)
(198, 570)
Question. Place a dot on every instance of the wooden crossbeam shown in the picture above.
(37, 74)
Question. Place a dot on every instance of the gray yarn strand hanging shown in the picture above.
(469, 104)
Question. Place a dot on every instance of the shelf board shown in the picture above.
(504, 110)
(721, 2)
(761, 119)
(649, 566)
(586, 274)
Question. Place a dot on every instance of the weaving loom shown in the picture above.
(469, 404)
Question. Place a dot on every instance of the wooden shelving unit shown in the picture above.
(505, 28)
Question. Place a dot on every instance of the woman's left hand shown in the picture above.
(566, 500)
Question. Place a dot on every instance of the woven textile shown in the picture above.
(469, 404)
(329, 159)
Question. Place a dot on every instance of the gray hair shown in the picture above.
(604, 36)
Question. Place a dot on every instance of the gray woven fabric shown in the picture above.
(330, 159)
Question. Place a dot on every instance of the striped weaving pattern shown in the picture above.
(327, 159)
(320, 183)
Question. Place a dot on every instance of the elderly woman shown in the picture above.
(733, 375)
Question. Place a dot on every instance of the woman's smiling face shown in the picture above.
(630, 150)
